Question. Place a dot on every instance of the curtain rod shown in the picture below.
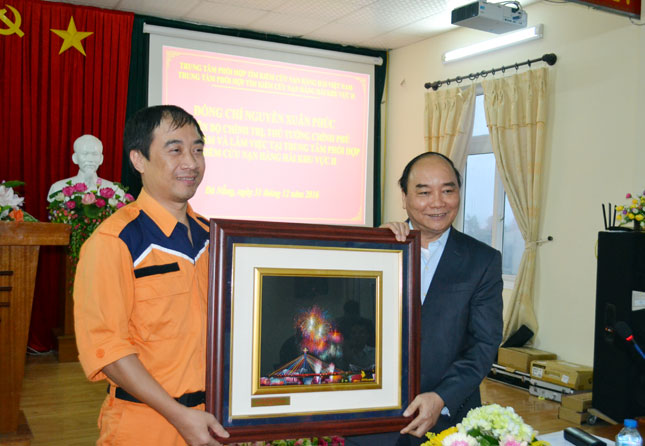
(549, 58)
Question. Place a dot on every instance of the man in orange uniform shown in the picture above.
(140, 293)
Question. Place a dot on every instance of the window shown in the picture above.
(487, 214)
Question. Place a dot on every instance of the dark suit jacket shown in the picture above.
(461, 329)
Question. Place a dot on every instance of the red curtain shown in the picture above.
(47, 100)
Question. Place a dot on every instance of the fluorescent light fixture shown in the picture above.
(502, 41)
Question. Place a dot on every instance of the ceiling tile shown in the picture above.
(262, 5)
(169, 9)
(360, 2)
(394, 14)
(324, 11)
(224, 15)
(430, 25)
(344, 34)
(286, 25)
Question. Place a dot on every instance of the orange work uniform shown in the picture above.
(141, 288)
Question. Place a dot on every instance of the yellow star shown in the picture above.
(71, 37)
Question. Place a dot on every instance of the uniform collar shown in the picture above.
(160, 215)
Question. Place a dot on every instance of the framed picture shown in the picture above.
(312, 329)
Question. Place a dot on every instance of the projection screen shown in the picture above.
(289, 129)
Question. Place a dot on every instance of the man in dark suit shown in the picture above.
(461, 312)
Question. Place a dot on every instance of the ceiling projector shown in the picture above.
(495, 18)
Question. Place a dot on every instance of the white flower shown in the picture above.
(498, 422)
(459, 439)
(113, 201)
(59, 197)
(9, 198)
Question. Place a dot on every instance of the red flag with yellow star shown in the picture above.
(64, 73)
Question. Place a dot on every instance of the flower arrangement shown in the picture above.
(10, 203)
(85, 209)
(632, 212)
(491, 425)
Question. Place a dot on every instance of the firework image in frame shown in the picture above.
(323, 329)
(312, 329)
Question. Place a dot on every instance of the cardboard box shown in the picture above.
(519, 358)
(568, 374)
(578, 402)
(564, 413)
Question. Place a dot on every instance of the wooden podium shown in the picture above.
(19, 245)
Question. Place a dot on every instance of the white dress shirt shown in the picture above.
(430, 257)
(429, 261)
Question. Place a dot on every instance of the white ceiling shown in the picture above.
(377, 24)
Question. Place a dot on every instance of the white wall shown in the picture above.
(595, 147)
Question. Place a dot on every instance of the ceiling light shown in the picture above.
(502, 41)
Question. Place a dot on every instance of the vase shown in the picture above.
(637, 226)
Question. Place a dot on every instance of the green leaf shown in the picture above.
(12, 183)
(53, 194)
(91, 211)
(28, 217)
(487, 440)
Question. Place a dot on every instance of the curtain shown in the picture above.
(516, 112)
(48, 98)
(449, 116)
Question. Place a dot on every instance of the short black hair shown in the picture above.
(140, 127)
(403, 181)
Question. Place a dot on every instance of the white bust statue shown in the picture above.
(88, 156)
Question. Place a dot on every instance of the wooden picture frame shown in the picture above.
(312, 329)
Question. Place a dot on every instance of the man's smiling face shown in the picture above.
(176, 165)
(432, 199)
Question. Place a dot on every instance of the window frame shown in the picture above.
(477, 146)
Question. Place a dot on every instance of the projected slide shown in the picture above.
(284, 142)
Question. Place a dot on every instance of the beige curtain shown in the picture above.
(516, 116)
(449, 116)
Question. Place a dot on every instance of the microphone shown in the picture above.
(625, 332)
(578, 437)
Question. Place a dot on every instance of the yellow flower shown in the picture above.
(634, 201)
(437, 439)
(639, 217)
(631, 216)
(619, 217)
(620, 208)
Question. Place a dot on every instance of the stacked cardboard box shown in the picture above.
(513, 365)
(554, 379)
(563, 373)
(520, 358)
(542, 375)
(574, 407)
